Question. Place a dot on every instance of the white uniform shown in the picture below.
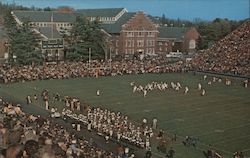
(199, 86)
(46, 105)
(98, 92)
(186, 90)
(246, 83)
(89, 126)
(78, 128)
(204, 77)
(203, 92)
(154, 123)
(147, 144)
(144, 93)
(134, 89)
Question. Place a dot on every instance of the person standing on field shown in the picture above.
(154, 123)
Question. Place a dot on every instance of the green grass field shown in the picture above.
(220, 118)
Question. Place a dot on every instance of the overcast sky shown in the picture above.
(183, 9)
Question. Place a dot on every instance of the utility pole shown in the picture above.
(106, 54)
(110, 58)
(89, 56)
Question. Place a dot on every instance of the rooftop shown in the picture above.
(117, 26)
(172, 32)
(45, 16)
(47, 31)
(105, 12)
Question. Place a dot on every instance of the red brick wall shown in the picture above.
(137, 23)
(191, 34)
(164, 46)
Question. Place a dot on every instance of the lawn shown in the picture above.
(220, 118)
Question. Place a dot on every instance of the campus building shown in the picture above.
(128, 32)
(50, 26)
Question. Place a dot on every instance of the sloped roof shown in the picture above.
(47, 31)
(172, 32)
(45, 16)
(106, 12)
(117, 26)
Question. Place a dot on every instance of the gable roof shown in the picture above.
(44, 16)
(117, 26)
(106, 12)
(47, 31)
(172, 32)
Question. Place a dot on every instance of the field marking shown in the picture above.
(195, 109)
(246, 150)
(202, 115)
(183, 106)
(221, 142)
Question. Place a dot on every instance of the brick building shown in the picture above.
(129, 33)
(173, 39)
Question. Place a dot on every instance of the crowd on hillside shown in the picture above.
(230, 55)
(10, 74)
(26, 136)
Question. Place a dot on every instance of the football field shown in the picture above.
(220, 118)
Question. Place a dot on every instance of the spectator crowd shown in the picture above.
(24, 135)
(10, 74)
(229, 55)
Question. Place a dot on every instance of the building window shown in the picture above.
(129, 43)
(140, 43)
(140, 34)
(116, 51)
(150, 34)
(130, 34)
(150, 43)
(159, 43)
(160, 49)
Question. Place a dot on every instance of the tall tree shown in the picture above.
(24, 43)
(85, 35)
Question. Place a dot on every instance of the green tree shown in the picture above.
(24, 45)
(85, 35)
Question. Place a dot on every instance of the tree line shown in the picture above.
(25, 43)
(210, 31)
